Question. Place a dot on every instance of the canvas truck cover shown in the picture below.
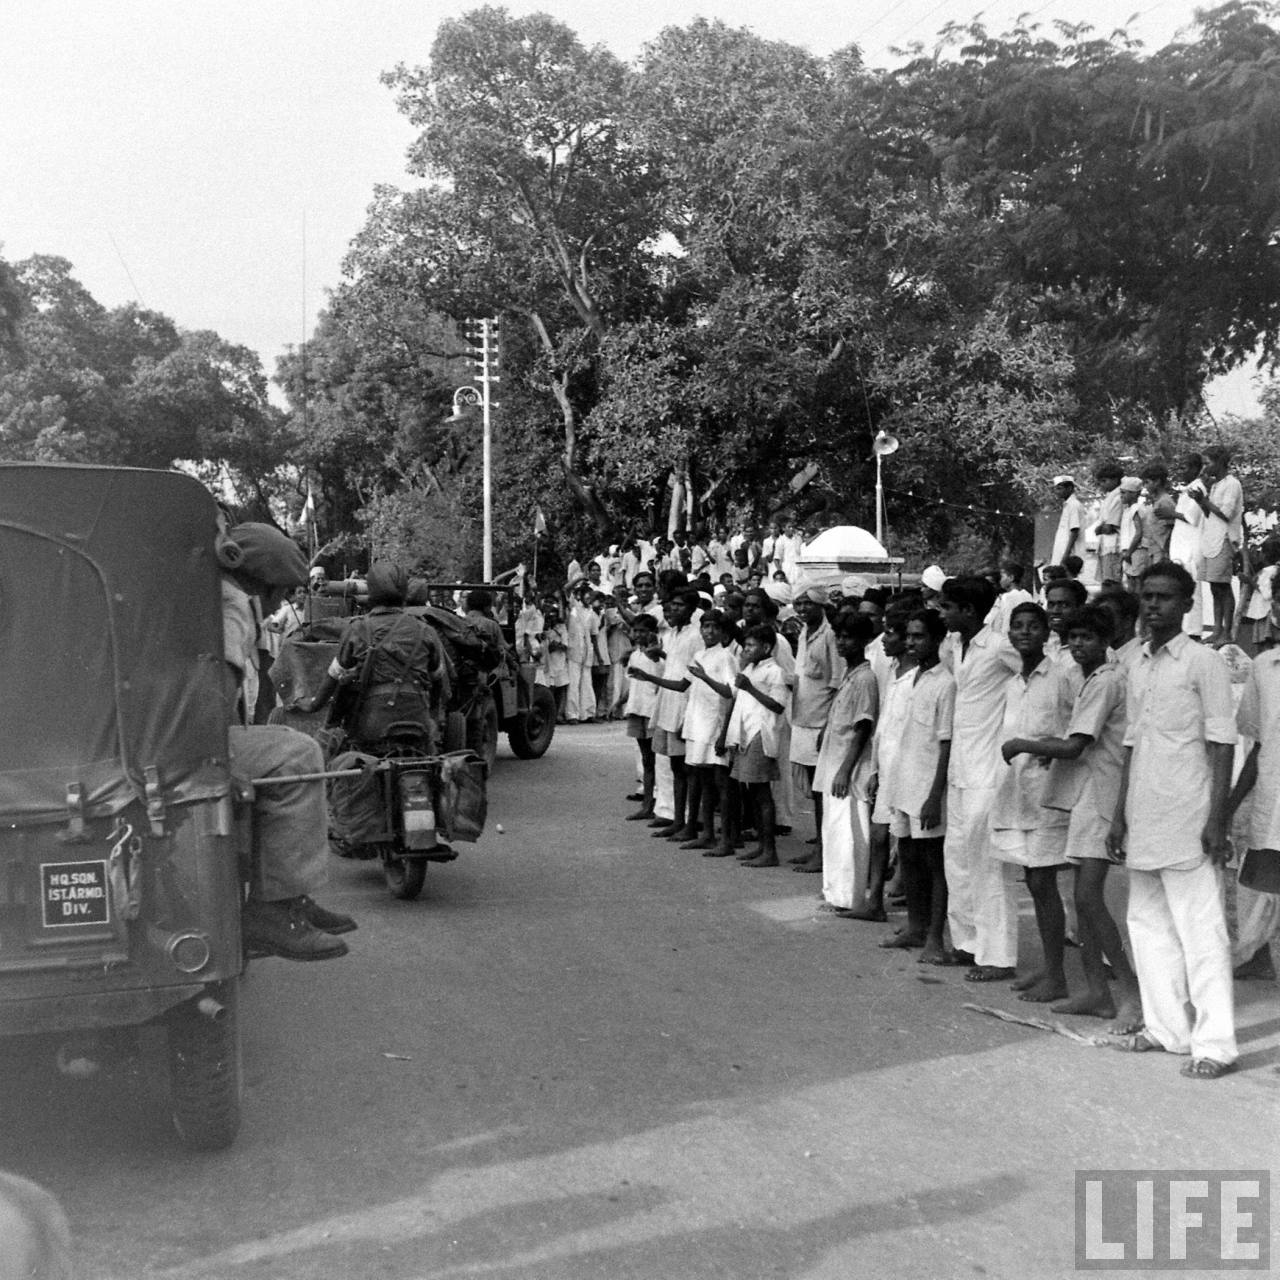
(110, 640)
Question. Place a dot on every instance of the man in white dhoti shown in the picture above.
(982, 663)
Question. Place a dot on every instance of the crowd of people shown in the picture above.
(959, 738)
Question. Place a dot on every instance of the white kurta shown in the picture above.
(1179, 701)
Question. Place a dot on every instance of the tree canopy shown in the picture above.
(733, 261)
(83, 383)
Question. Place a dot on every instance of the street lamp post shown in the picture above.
(882, 446)
(464, 398)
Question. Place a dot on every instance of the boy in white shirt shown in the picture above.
(642, 699)
(555, 655)
(679, 641)
(915, 787)
(1110, 513)
(1084, 777)
(1221, 533)
(710, 696)
(752, 732)
(1023, 831)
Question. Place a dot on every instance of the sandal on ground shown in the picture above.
(1206, 1069)
(1140, 1042)
(988, 973)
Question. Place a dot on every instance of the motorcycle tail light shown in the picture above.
(417, 810)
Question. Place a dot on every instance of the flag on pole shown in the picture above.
(539, 522)
(308, 520)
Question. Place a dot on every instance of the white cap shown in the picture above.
(933, 577)
(1064, 479)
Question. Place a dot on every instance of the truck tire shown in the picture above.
(532, 730)
(205, 1074)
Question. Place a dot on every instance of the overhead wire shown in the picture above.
(133, 284)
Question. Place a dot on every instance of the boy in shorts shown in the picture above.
(642, 697)
(1023, 832)
(1084, 780)
(752, 732)
(710, 696)
(680, 641)
(916, 787)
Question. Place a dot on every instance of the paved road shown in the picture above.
(585, 1053)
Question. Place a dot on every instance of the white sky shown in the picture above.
(183, 152)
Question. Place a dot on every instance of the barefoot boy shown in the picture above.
(842, 775)
(917, 784)
(1023, 832)
(1170, 828)
(753, 734)
(680, 641)
(712, 673)
(1087, 792)
(642, 699)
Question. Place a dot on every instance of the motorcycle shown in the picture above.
(392, 796)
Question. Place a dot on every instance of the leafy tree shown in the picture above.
(542, 212)
(1134, 196)
(736, 260)
(84, 383)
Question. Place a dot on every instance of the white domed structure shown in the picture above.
(843, 542)
(844, 550)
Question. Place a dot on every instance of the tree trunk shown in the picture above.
(582, 491)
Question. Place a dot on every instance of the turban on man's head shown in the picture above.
(263, 553)
(812, 591)
(388, 583)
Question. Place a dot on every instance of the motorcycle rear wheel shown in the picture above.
(404, 876)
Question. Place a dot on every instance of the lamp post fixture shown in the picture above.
(465, 398)
(882, 446)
